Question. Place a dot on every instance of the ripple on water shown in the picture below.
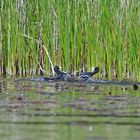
(68, 109)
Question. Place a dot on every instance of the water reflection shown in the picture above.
(3, 85)
(70, 111)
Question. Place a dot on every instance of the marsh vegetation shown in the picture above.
(35, 35)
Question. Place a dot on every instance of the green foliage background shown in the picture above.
(35, 35)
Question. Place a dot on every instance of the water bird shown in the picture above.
(84, 76)
(135, 86)
(61, 75)
(90, 74)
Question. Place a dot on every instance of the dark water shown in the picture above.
(68, 111)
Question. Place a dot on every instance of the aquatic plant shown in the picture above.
(35, 35)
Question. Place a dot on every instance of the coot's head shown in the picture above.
(57, 68)
(95, 70)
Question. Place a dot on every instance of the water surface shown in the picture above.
(73, 111)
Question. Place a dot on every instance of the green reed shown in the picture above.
(35, 35)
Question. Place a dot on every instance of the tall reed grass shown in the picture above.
(35, 35)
